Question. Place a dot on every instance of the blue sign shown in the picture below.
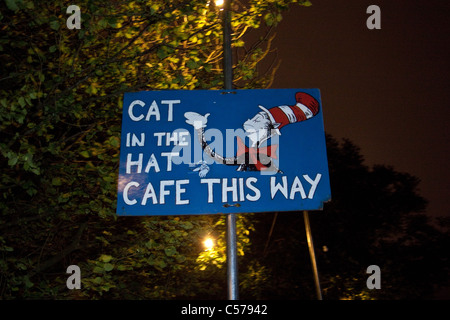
(217, 151)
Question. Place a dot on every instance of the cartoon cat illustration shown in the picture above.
(264, 125)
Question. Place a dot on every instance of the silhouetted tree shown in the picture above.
(376, 217)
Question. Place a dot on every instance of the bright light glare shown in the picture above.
(208, 243)
(218, 3)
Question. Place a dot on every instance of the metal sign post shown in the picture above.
(232, 270)
(312, 254)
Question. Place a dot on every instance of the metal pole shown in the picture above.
(312, 254)
(232, 270)
(227, 58)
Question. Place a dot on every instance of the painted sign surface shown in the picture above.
(217, 151)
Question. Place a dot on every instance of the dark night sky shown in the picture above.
(386, 90)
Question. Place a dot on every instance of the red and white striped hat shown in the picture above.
(306, 107)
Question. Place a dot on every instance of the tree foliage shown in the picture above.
(376, 217)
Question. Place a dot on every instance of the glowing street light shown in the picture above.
(208, 243)
(218, 3)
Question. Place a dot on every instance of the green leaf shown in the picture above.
(22, 102)
(21, 266)
(170, 251)
(4, 103)
(28, 283)
(98, 280)
(85, 154)
(41, 76)
(187, 225)
(192, 64)
(12, 5)
(54, 25)
(97, 269)
(103, 23)
(181, 258)
(114, 141)
(105, 258)
(56, 181)
(112, 22)
(160, 264)
(162, 54)
(306, 3)
(108, 267)
(122, 268)
(13, 160)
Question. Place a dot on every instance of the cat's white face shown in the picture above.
(258, 128)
